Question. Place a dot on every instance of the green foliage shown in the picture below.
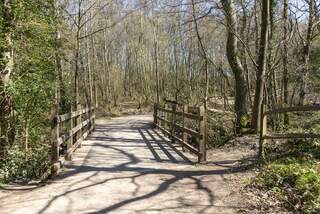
(21, 166)
(296, 182)
(31, 88)
(5, 30)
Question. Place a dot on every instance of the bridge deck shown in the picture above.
(126, 167)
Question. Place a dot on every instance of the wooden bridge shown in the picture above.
(127, 166)
(123, 166)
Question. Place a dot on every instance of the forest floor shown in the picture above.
(125, 166)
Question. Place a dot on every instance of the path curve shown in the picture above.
(127, 167)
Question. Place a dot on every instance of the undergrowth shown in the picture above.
(20, 166)
(295, 178)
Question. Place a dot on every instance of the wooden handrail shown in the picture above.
(181, 127)
(73, 137)
(188, 146)
(169, 127)
(292, 136)
(293, 109)
(68, 116)
(188, 115)
(265, 136)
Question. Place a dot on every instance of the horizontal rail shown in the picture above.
(190, 116)
(168, 123)
(64, 117)
(293, 109)
(189, 131)
(58, 139)
(185, 144)
(63, 138)
(68, 116)
(218, 111)
(292, 136)
(265, 136)
(77, 144)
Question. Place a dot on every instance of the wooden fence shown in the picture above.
(265, 135)
(168, 121)
(69, 131)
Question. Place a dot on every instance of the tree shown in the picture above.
(261, 72)
(234, 61)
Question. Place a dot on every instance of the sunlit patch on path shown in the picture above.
(125, 166)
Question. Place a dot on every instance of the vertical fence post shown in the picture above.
(93, 121)
(166, 117)
(160, 114)
(184, 134)
(263, 131)
(55, 133)
(88, 117)
(79, 122)
(202, 140)
(155, 114)
(55, 145)
(58, 136)
(173, 123)
(70, 141)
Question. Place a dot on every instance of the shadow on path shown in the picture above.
(140, 135)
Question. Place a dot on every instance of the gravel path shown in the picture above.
(126, 167)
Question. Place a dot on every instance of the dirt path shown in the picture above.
(126, 167)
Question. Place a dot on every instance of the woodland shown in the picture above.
(231, 56)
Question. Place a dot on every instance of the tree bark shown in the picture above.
(234, 61)
(258, 98)
(306, 53)
(285, 77)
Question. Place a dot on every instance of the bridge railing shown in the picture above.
(264, 131)
(173, 122)
(69, 131)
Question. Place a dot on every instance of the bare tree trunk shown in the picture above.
(106, 70)
(306, 53)
(62, 91)
(265, 18)
(77, 62)
(156, 46)
(89, 67)
(234, 61)
(95, 102)
(285, 77)
(204, 55)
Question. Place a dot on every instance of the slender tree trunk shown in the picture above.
(306, 54)
(89, 68)
(107, 69)
(204, 55)
(156, 61)
(76, 75)
(62, 102)
(265, 18)
(285, 77)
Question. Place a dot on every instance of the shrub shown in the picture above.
(21, 166)
(295, 182)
